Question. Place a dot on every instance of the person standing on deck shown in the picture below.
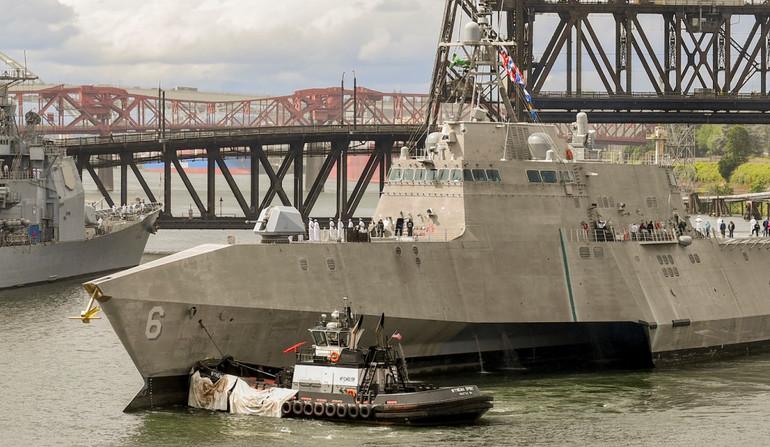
(764, 227)
(754, 226)
(731, 229)
(722, 228)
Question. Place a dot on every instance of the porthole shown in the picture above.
(745, 256)
(415, 250)
(660, 259)
(670, 259)
(692, 258)
(398, 251)
(676, 271)
(584, 252)
(697, 258)
(665, 273)
(330, 264)
(303, 264)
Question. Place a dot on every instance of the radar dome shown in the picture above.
(539, 144)
(471, 33)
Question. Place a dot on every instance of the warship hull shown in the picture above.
(549, 306)
(45, 262)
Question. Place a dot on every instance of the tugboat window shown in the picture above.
(395, 175)
(467, 175)
(419, 175)
(430, 175)
(320, 338)
(344, 339)
(457, 175)
(479, 175)
(408, 175)
(549, 176)
(493, 175)
(534, 176)
(333, 338)
(443, 175)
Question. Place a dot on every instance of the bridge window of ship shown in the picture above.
(493, 175)
(534, 176)
(419, 175)
(467, 175)
(395, 175)
(457, 175)
(430, 175)
(319, 337)
(548, 176)
(408, 175)
(443, 175)
(479, 175)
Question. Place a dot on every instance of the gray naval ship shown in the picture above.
(46, 230)
(523, 251)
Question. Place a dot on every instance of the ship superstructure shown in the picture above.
(500, 242)
(46, 230)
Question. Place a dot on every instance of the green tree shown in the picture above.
(737, 149)
(709, 139)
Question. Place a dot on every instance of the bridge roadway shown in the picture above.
(377, 142)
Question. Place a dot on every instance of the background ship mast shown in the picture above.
(468, 72)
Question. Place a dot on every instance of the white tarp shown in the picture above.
(246, 400)
(242, 398)
(207, 395)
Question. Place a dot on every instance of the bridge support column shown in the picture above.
(106, 174)
(167, 161)
(342, 178)
(211, 174)
(254, 151)
(297, 150)
(124, 158)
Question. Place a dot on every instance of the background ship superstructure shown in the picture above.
(46, 230)
(523, 253)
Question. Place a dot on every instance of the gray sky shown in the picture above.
(247, 46)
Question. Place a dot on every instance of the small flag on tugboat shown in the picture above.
(397, 336)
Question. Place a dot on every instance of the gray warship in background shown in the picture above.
(47, 232)
(523, 253)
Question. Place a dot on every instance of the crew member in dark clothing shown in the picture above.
(400, 226)
(380, 228)
(409, 227)
(731, 229)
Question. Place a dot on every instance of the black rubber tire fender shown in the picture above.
(307, 408)
(330, 410)
(364, 411)
(286, 408)
(352, 411)
(318, 409)
(296, 407)
(342, 410)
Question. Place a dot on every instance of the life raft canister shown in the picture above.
(334, 357)
(351, 392)
(569, 154)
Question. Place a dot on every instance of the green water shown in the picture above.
(64, 383)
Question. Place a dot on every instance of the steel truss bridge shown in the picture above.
(256, 144)
(622, 61)
(90, 110)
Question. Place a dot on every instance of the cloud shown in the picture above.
(35, 24)
(255, 46)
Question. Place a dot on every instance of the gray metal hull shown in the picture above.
(23, 265)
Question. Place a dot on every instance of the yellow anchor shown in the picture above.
(91, 310)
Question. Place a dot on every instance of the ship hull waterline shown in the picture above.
(25, 265)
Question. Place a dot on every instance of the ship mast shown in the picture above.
(468, 72)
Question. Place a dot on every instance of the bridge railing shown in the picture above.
(235, 132)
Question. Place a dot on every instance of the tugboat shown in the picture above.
(336, 380)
